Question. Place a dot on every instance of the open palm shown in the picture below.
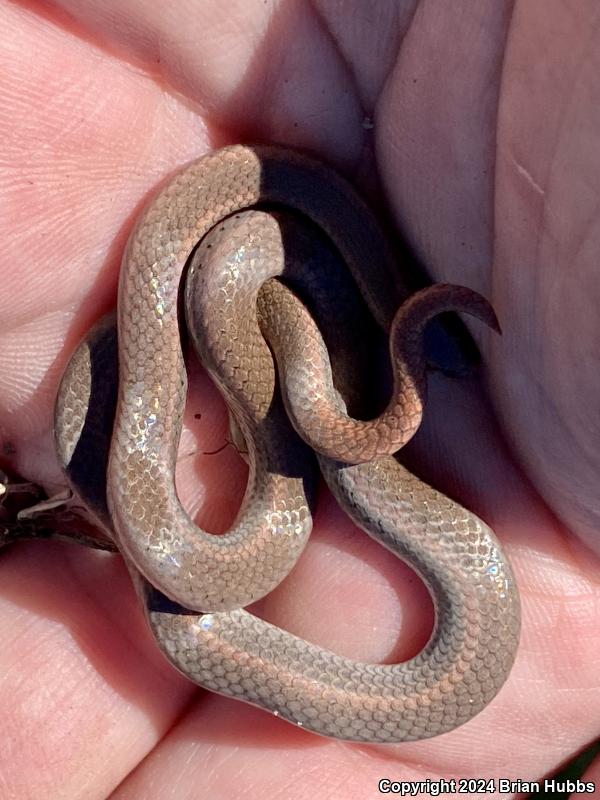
(483, 125)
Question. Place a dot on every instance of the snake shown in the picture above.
(216, 239)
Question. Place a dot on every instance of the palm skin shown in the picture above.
(483, 126)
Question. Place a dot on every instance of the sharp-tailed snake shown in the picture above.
(195, 585)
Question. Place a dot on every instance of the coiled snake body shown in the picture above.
(203, 628)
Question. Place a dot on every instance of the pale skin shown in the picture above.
(484, 128)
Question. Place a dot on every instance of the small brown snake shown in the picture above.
(203, 629)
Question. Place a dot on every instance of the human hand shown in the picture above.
(489, 173)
